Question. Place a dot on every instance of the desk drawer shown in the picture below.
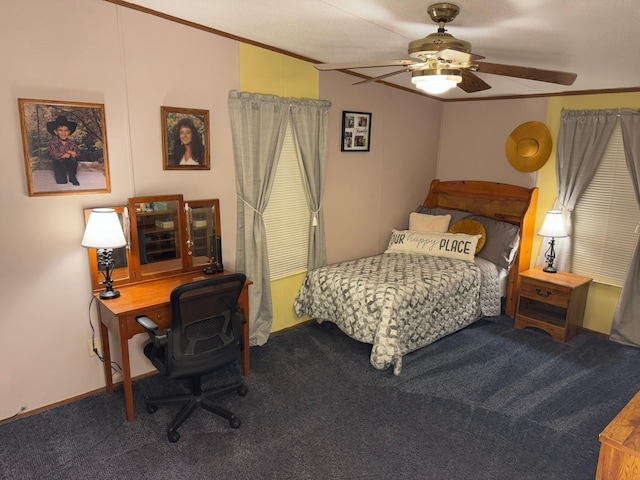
(160, 315)
(545, 293)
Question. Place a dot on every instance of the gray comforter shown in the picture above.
(397, 302)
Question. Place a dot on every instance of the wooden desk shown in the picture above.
(151, 298)
(620, 445)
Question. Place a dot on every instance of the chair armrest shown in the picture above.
(159, 338)
(240, 314)
(239, 320)
(146, 323)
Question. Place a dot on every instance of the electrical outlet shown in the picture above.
(97, 345)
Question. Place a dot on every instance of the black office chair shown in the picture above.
(205, 336)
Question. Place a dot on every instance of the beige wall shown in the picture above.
(94, 51)
(473, 139)
(368, 194)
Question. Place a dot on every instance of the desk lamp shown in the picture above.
(104, 233)
(553, 227)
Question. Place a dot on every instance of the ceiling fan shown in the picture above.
(441, 61)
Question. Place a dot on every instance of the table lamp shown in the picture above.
(553, 227)
(104, 233)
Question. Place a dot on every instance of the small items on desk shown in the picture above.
(216, 265)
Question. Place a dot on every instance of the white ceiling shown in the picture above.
(597, 39)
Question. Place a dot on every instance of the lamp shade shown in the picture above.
(553, 225)
(103, 230)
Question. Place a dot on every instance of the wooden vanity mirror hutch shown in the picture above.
(166, 236)
(170, 242)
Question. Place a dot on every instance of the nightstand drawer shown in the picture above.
(544, 292)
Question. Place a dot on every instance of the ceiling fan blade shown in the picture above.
(472, 83)
(457, 57)
(380, 77)
(550, 76)
(351, 66)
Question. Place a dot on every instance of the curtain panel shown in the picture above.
(626, 320)
(582, 140)
(258, 127)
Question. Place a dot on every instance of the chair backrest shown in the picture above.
(206, 323)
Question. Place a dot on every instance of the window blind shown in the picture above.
(287, 216)
(605, 219)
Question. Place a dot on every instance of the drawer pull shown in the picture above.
(543, 294)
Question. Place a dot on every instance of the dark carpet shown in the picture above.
(488, 402)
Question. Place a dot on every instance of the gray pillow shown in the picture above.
(455, 214)
(502, 241)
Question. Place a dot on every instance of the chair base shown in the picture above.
(190, 402)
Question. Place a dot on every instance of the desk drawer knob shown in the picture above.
(543, 294)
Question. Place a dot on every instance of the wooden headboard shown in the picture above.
(500, 201)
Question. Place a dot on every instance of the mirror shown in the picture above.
(165, 236)
(204, 240)
(156, 224)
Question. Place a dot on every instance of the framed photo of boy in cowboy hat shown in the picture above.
(65, 147)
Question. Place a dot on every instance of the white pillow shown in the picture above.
(450, 245)
(421, 222)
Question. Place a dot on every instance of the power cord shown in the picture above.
(115, 367)
(22, 409)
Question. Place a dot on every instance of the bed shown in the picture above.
(428, 284)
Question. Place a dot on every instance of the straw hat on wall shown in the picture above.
(529, 146)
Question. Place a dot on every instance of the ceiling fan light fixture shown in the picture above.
(436, 81)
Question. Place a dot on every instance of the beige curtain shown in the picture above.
(582, 140)
(258, 126)
(626, 320)
(310, 119)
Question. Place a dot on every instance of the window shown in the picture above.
(605, 219)
(287, 216)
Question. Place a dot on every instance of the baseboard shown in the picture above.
(67, 401)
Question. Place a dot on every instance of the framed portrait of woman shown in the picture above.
(185, 139)
(65, 147)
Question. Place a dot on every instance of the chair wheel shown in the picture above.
(173, 436)
(234, 422)
(242, 391)
(152, 408)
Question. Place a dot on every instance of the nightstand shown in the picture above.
(553, 302)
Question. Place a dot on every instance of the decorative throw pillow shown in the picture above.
(450, 245)
(420, 222)
(502, 242)
(470, 227)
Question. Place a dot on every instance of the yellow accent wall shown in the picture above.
(270, 73)
(602, 300)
